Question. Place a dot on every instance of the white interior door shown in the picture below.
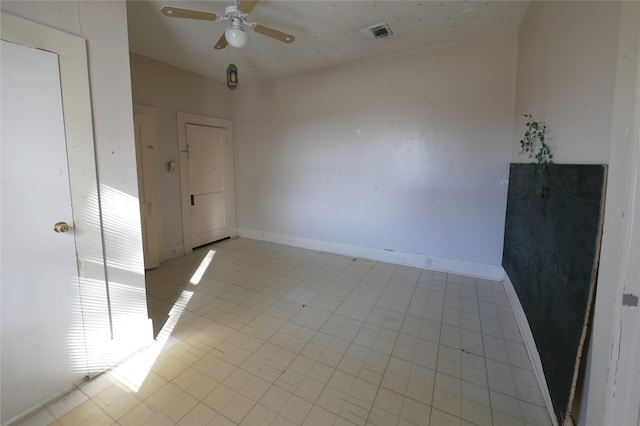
(43, 342)
(146, 154)
(207, 186)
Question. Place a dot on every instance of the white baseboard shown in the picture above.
(460, 267)
(530, 344)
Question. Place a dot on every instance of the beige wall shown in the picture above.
(566, 74)
(408, 152)
(169, 90)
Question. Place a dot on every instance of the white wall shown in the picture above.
(566, 76)
(170, 90)
(103, 25)
(408, 152)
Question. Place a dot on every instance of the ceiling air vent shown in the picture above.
(378, 31)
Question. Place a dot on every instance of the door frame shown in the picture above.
(185, 118)
(612, 359)
(83, 182)
(148, 184)
(624, 400)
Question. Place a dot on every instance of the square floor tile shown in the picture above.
(86, 414)
(238, 407)
(375, 344)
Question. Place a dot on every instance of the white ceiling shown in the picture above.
(327, 32)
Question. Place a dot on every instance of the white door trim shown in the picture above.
(185, 118)
(613, 369)
(148, 185)
(624, 400)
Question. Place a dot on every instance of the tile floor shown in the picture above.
(275, 335)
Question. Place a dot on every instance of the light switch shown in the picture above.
(171, 166)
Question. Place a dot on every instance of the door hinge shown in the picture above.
(186, 151)
(629, 300)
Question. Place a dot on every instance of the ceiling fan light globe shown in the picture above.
(236, 37)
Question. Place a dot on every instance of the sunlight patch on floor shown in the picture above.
(133, 372)
(197, 275)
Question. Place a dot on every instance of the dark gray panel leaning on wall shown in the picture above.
(551, 253)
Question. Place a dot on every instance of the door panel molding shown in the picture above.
(202, 120)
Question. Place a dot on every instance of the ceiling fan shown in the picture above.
(237, 15)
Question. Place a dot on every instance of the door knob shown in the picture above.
(61, 227)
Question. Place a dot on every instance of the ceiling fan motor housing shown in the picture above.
(232, 12)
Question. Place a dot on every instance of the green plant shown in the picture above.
(534, 144)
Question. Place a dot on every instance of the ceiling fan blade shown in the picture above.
(176, 12)
(222, 42)
(246, 6)
(270, 32)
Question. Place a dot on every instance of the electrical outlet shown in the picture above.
(427, 262)
(171, 252)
